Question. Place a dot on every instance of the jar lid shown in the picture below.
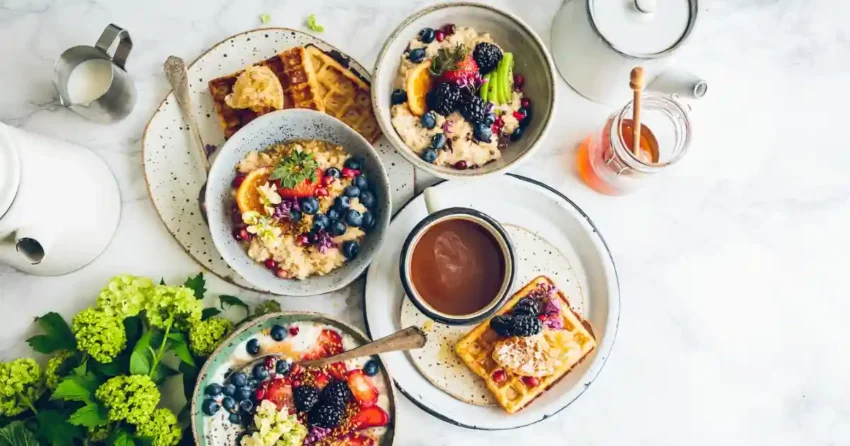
(643, 28)
(10, 170)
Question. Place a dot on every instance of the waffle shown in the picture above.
(296, 78)
(570, 346)
(342, 93)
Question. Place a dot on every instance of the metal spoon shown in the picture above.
(407, 339)
(175, 71)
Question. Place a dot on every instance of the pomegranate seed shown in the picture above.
(303, 239)
(349, 173)
(327, 180)
(260, 393)
(499, 122)
(541, 318)
(270, 263)
(321, 192)
(439, 35)
(460, 165)
(245, 234)
(525, 102)
(282, 273)
(296, 383)
(519, 81)
(448, 29)
(529, 381)
(499, 376)
(237, 180)
(270, 362)
(237, 234)
(293, 330)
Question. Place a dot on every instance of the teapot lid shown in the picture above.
(10, 170)
(643, 28)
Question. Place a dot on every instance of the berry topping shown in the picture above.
(444, 98)
(353, 163)
(259, 394)
(321, 192)
(235, 418)
(278, 333)
(368, 221)
(399, 96)
(270, 361)
(305, 397)
(213, 389)
(508, 325)
(530, 381)
(370, 417)
(303, 239)
(229, 404)
(517, 134)
(429, 155)
(371, 368)
(239, 379)
(302, 188)
(461, 165)
(456, 66)
(361, 182)
(333, 214)
(325, 415)
(417, 55)
(210, 407)
(438, 141)
(525, 103)
(260, 372)
(282, 273)
(364, 392)
(252, 347)
(228, 389)
(337, 228)
(348, 172)
(353, 218)
(429, 121)
(241, 234)
(475, 109)
(482, 132)
(270, 263)
(246, 405)
(526, 307)
(499, 376)
(440, 36)
(237, 180)
(309, 205)
(351, 191)
(333, 172)
(336, 393)
(243, 393)
(427, 35)
(487, 56)
(342, 202)
(350, 249)
(321, 221)
(280, 393)
(519, 81)
(367, 198)
(293, 330)
(448, 29)
(328, 343)
(282, 367)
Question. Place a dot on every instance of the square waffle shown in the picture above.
(570, 346)
(296, 78)
(342, 93)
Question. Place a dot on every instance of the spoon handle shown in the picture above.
(175, 71)
(407, 339)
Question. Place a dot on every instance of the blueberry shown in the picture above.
(353, 163)
(429, 121)
(234, 418)
(527, 119)
(342, 203)
(367, 198)
(399, 96)
(429, 155)
(243, 393)
(228, 389)
(350, 249)
(368, 221)
(489, 119)
(417, 55)
(210, 407)
(282, 367)
(309, 205)
(353, 218)
(239, 379)
(333, 172)
(260, 371)
(246, 405)
(371, 368)
(351, 191)
(427, 35)
(517, 134)
(337, 228)
(253, 347)
(229, 404)
(361, 182)
(253, 384)
(482, 132)
(295, 215)
(333, 215)
(438, 141)
(321, 221)
(213, 389)
(277, 332)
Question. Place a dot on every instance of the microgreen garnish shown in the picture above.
(447, 59)
(295, 168)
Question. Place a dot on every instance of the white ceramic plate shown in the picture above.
(511, 200)
(172, 170)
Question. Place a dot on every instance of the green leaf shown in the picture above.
(16, 434)
(162, 280)
(177, 343)
(54, 429)
(133, 327)
(90, 415)
(140, 359)
(295, 168)
(76, 388)
(118, 366)
(57, 335)
(120, 438)
(209, 312)
(197, 284)
(81, 369)
(230, 301)
(162, 373)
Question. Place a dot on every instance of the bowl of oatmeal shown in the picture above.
(298, 203)
(464, 90)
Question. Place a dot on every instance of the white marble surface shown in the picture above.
(732, 266)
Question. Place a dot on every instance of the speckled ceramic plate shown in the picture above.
(545, 220)
(437, 361)
(173, 173)
(231, 353)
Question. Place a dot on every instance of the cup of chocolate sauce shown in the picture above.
(457, 265)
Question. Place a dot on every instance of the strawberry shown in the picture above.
(356, 440)
(329, 343)
(364, 392)
(279, 392)
(464, 73)
(303, 189)
(338, 370)
(370, 417)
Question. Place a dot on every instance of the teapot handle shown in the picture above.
(679, 82)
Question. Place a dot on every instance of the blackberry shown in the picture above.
(326, 415)
(444, 98)
(502, 325)
(305, 397)
(487, 56)
(475, 109)
(526, 326)
(526, 307)
(336, 394)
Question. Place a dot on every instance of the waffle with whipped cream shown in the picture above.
(519, 369)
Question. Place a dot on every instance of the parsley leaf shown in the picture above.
(311, 23)
(295, 168)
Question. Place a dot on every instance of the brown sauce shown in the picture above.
(457, 267)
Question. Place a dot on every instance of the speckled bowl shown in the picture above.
(282, 126)
(532, 61)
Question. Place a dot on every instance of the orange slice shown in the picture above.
(248, 195)
(418, 84)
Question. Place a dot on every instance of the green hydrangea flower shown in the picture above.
(169, 302)
(21, 384)
(100, 335)
(205, 336)
(57, 367)
(131, 398)
(99, 433)
(162, 427)
(125, 295)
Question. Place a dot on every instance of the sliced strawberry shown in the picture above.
(338, 370)
(363, 390)
(370, 417)
(329, 343)
(279, 392)
(356, 440)
(303, 189)
(465, 73)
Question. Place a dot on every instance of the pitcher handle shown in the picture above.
(107, 40)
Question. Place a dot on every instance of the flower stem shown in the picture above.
(28, 403)
(161, 351)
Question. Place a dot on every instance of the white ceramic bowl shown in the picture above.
(282, 126)
(532, 61)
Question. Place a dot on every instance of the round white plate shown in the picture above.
(173, 171)
(518, 201)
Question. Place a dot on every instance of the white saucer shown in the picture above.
(591, 282)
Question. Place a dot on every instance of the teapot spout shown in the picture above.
(679, 82)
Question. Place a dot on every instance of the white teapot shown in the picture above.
(59, 203)
(596, 43)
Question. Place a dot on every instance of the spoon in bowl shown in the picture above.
(175, 71)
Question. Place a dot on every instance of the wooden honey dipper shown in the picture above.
(636, 83)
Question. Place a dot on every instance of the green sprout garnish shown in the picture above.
(265, 18)
(311, 23)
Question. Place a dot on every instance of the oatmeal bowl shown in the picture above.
(464, 90)
(298, 203)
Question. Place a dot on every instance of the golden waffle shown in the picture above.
(570, 346)
(299, 89)
(343, 94)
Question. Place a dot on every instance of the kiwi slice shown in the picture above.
(484, 91)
